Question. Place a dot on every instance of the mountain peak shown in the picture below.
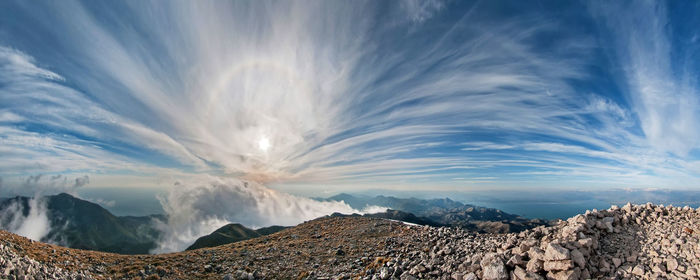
(83, 224)
(65, 195)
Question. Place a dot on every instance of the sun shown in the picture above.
(264, 144)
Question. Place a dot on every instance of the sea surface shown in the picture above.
(125, 202)
(563, 205)
(560, 204)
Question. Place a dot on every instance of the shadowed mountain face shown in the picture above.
(232, 233)
(443, 212)
(81, 224)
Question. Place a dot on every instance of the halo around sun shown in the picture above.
(264, 144)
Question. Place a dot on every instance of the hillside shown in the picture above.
(632, 242)
(231, 233)
(236, 232)
(81, 224)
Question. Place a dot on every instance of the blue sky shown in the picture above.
(344, 95)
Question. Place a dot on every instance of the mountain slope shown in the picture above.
(227, 234)
(81, 224)
(236, 232)
(231, 233)
(270, 230)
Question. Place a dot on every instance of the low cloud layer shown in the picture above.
(201, 206)
(41, 184)
(28, 220)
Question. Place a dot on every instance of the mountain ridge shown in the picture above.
(82, 224)
(231, 233)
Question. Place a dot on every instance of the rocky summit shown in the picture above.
(633, 242)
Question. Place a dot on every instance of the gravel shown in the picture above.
(13, 265)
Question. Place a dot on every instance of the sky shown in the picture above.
(319, 96)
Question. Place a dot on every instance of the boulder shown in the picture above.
(515, 260)
(493, 268)
(585, 242)
(659, 268)
(627, 208)
(608, 223)
(384, 273)
(616, 262)
(638, 270)
(578, 258)
(603, 265)
(535, 253)
(671, 264)
(535, 265)
(573, 274)
(521, 274)
(558, 265)
(556, 252)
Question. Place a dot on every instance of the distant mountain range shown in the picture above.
(411, 205)
(444, 211)
(395, 215)
(81, 224)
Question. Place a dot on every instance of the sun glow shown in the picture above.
(264, 144)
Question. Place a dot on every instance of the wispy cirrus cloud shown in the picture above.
(344, 95)
(657, 71)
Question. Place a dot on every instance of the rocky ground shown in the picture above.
(632, 242)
